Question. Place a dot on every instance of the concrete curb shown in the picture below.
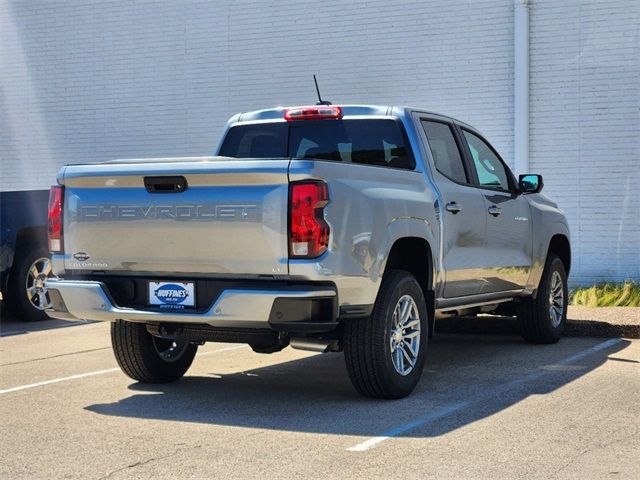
(583, 322)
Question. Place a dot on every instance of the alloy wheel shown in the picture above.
(37, 293)
(404, 340)
(556, 299)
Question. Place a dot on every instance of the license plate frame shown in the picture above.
(171, 294)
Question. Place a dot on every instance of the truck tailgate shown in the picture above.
(230, 218)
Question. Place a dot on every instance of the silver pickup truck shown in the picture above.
(325, 228)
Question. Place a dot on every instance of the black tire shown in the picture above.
(137, 354)
(368, 341)
(17, 301)
(537, 324)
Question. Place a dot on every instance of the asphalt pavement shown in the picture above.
(487, 407)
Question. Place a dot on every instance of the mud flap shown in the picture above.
(430, 299)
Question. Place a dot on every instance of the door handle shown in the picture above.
(453, 207)
(495, 211)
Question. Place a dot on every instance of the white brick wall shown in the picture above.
(585, 127)
(96, 80)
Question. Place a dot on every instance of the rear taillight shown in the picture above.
(55, 218)
(308, 231)
(322, 112)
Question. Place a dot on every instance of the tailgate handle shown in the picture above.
(174, 184)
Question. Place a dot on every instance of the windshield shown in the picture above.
(369, 142)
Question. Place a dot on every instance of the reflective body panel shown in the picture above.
(508, 241)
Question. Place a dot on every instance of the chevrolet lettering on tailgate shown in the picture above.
(136, 212)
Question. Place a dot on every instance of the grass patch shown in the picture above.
(607, 294)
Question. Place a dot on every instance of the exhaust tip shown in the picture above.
(314, 344)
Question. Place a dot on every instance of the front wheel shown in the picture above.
(385, 353)
(543, 319)
(147, 358)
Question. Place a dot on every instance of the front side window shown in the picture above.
(444, 150)
(369, 142)
(491, 171)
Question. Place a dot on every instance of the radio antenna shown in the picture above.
(320, 101)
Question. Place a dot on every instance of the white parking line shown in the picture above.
(436, 414)
(448, 410)
(96, 372)
(65, 324)
(58, 380)
(589, 351)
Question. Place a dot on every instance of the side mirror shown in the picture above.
(530, 183)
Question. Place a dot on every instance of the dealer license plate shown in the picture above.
(172, 294)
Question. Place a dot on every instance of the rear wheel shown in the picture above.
(147, 358)
(27, 297)
(543, 319)
(385, 353)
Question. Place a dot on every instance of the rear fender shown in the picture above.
(399, 228)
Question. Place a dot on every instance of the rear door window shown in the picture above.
(369, 142)
(444, 151)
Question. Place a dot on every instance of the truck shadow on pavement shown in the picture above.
(467, 378)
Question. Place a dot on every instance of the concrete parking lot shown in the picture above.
(487, 407)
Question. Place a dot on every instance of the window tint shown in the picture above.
(369, 142)
(444, 150)
(491, 171)
(266, 140)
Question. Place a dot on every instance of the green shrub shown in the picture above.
(608, 294)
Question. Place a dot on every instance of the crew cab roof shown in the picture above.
(347, 110)
(277, 113)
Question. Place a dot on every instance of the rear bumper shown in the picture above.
(295, 309)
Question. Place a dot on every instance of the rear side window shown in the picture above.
(265, 140)
(368, 142)
(444, 150)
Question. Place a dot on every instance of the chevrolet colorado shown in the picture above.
(327, 228)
